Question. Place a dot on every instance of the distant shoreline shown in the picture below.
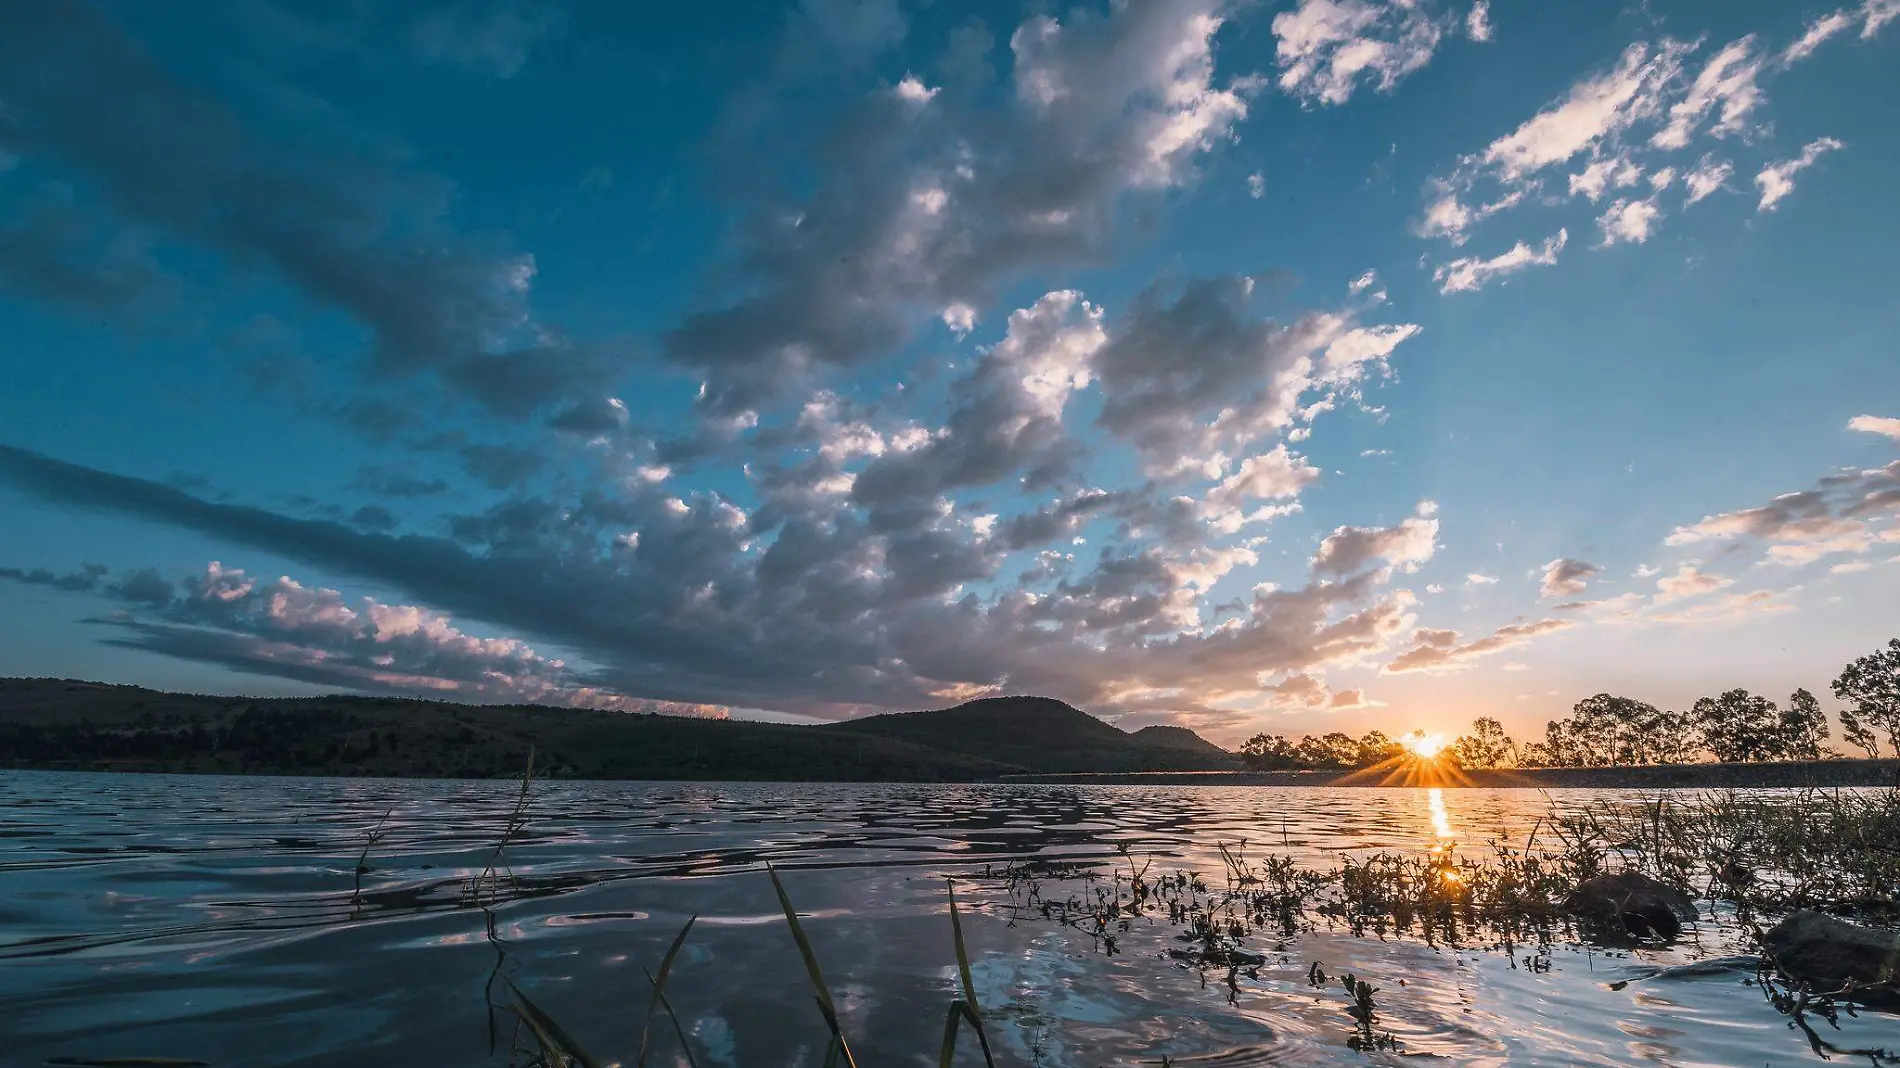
(1822, 773)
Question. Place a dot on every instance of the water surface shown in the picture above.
(223, 919)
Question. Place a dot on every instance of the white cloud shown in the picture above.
(1727, 82)
(1326, 48)
(1851, 567)
(1709, 175)
(1478, 22)
(1471, 272)
(1564, 577)
(1592, 110)
(913, 92)
(1628, 221)
(1476, 579)
(1348, 550)
(1818, 31)
(1876, 424)
(1604, 174)
(1363, 282)
(1688, 581)
(1877, 13)
(960, 318)
(1256, 185)
(1776, 180)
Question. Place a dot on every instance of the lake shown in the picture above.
(224, 920)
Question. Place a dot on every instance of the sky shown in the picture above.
(1284, 366)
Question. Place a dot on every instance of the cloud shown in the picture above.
(1725, 86)
(1475, 579)
(494, 37)
(1189, 372)
(1564, 577)
(912, 217)
(55, 248)
(1728, 608)
(1876, 424)
(1592, 110)
(1804, 526)
(1628, 221)
(801, 605)
(1776, 180)
(1478, 22)
(1471, 273)
(1326, 48)
(1709, 175)
(1688, 581)
(1256, 185)
(1405, 546)
(1440, 651)
(350, 227)
(1817, 32)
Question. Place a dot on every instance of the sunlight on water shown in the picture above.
(1441, 821)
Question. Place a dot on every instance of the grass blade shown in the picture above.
(822, 991)
(678, 1029)
(659, 989)
(948, 1051)
(969, 1004)
(552, 1036)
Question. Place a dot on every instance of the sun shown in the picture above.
(1423, 746)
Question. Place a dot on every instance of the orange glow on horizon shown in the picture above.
(1424, 746)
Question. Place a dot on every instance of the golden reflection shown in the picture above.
(1441, 821)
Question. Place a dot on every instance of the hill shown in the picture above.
(1163, 737)
(58, 723)
(1042, 735)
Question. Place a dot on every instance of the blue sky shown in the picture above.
(1294, 366)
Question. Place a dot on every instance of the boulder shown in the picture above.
(1632, 904)
(1826, 954)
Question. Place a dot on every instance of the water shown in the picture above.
(222, 919)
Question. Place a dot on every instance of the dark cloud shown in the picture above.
(384, 482)
(925, 203)
(352, 231)
(675, 598)
(1191, 370)
(1564, 577)
(57, 249)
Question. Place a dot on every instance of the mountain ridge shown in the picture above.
(77, 725)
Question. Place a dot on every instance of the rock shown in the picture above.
(1632, 903)
(1826, 954)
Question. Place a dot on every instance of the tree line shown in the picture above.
(1606, 730)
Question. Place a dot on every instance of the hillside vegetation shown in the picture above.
(62, 724)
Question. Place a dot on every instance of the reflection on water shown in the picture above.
(225, 919)
(1441, 821)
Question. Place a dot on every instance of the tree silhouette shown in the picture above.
(1740, 726)
(1803, 727)
(1487, 746)
(1871, 686)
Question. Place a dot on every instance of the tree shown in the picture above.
(1267, 752)
(1803, 727)
(1871, 687)
(1739, 726)
(1675, 738)
(1487, 746)
(1375, 749)
(1855, 733)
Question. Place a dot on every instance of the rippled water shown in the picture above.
(222, 919)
